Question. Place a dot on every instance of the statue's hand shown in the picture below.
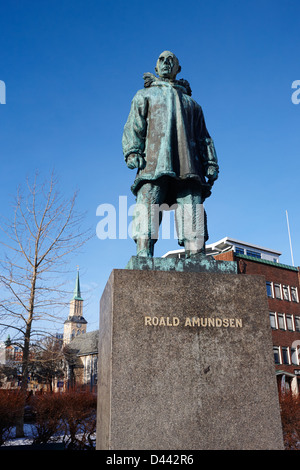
(212, 174)
(135, 161)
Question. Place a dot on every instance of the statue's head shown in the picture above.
(167, 65)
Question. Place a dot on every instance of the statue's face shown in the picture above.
(167, 65)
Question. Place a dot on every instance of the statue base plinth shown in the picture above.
(186, 362)
(197, 263)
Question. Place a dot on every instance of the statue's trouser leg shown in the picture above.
(146, 217)
(190, 220)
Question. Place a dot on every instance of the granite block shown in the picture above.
(186, 363)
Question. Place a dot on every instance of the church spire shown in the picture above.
(77, 294)
(76, 323)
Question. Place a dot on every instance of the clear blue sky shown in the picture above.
(71, 69)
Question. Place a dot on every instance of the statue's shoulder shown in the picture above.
(149, 79)
(140, 95)
(186, 85)
(196, 105)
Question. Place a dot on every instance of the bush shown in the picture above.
(290, 418)
(48, 410)
(70, 416)
(11, 406)
(80, 420)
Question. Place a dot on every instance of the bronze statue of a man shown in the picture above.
(166, 139)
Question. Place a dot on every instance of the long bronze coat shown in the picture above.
(167, 127)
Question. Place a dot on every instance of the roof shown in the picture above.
(85, 344)
(223, 243)
(174, 253)
(265, 261)
(283, 372)
(75, 319)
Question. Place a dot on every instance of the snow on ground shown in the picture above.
(26, 440)
(28, 437)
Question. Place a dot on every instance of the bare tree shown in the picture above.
(44, 230)
(48, 361)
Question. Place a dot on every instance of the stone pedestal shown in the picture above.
(186, 363)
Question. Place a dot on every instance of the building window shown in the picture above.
(294, 356)
(276, 354)
(239, 251)
(277, 291)
(285, 291)
(281, 322)
(269, 289)
(272, 320)
(294, 294)
(289, 322)
(253, 254)
(285, 355)
(297, 323)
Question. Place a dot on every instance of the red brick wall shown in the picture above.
(280, 275)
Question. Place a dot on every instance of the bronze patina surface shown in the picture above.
(165, 138)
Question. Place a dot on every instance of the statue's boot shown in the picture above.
(145, 247)
(194, 247)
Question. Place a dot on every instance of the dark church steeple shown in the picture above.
(77, 294)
